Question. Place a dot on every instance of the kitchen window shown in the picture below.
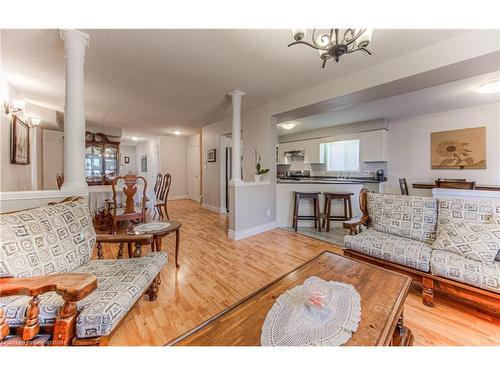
(340, 155)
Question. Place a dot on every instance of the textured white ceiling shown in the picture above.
(155, 81)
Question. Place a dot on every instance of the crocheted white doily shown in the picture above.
(289, 322)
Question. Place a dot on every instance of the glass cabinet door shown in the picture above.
(110, 161)
(93, 163)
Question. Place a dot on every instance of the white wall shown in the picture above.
(130, 152)
(410, 151)
(171, 152)
(173, 160)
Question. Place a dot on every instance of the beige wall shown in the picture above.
(410, 153)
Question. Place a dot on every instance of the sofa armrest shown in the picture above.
(70, 286)
(354, 225)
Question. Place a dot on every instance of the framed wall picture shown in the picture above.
(459, 149)
(211, 155)
(127, 159)
(144, 163)
(20, 142)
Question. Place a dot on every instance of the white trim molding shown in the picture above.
(219, 210)
(239, 235)
(20, 200)
(177, 197)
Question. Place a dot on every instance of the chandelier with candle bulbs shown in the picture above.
(333, 43)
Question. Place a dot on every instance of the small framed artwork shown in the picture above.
(20, 142)
(144, 163)
(211, 155)
(127, 159)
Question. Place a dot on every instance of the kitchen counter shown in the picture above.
(326, 181)
(285, 189)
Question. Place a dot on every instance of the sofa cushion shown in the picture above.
(405, 216)
(401, 250)
(472, 210)
(465, 270)
(120, 283)
(45, 240)
(476, 241)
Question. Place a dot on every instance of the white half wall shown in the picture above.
(410, 147)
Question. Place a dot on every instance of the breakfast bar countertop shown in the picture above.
(432, 185)
(326, 180)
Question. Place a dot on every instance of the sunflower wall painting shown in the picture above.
(459, 149)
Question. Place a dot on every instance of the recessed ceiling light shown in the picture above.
(134, 138)
(489, 88)
(177, 132)
(287, 125)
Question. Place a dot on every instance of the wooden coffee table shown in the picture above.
(158, 235)
(382, 294)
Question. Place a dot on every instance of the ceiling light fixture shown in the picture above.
(287, 125)
(489, 88)
(177, 132)
(134, 138)
(333, 43)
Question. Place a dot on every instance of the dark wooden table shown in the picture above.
(432, 185)
(158, 235)
(382, 294)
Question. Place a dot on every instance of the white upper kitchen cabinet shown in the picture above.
(311, 148)
(373, 145)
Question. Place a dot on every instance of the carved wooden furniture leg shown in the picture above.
(4, 327)
(120, 250)
(428, 291)
(402, 335)
(129, 248)
(166, 210)
(153, 289)
(100, 254)
(138, 249)
(32, 326)
(177, 243)
(157, 243)
(64, 327)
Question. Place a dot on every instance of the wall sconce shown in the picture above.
(34, 121)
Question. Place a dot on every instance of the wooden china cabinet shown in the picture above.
(102, 158)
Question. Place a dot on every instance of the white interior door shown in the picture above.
(193, 172)
(52, 156)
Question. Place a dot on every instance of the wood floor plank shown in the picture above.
(216, 272)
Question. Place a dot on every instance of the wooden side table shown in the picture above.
(158, 234)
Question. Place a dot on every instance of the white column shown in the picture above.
(75, 43)
(236, 134)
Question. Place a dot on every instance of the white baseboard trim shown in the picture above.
(251, 231)
(177, 197)
(219, 210)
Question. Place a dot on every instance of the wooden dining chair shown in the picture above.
(403, 186)
(457, 184)
(60, 180)
(162, 197)
(157, 188)
(130, 212)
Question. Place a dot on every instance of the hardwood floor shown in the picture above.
(215, 272)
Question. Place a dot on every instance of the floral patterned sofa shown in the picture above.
(50, 284)
(451, 245)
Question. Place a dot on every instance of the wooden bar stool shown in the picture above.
(316, 217)
(327, 215)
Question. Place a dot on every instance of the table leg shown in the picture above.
(157, 242)
(129, 248)
(177, 241)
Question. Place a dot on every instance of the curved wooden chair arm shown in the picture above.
(355, 223)
(70, 286)
(143, 239)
